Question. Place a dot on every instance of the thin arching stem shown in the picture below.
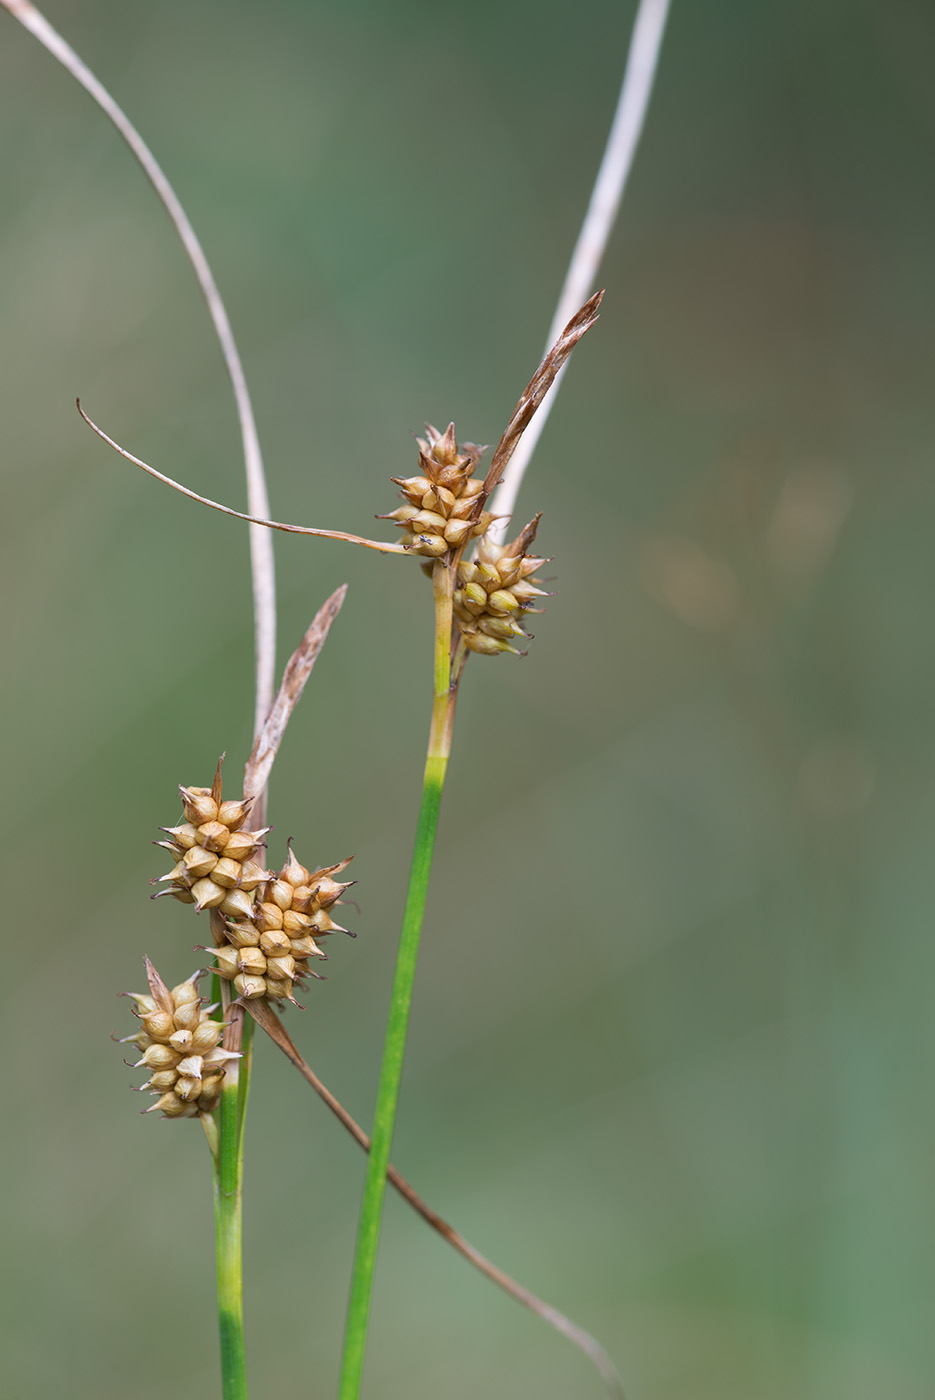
(627, 125)
(261, 547)
(391, 1068)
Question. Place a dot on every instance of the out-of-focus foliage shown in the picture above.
(672, 1048)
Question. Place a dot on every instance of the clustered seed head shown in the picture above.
(441, 510)
(214, 869)
(181, 1047)
(268, 952)
(494, 593)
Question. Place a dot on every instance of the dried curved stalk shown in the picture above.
(267, 1019)
(382, 546)
(261, 548)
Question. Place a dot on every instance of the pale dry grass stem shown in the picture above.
(600, 217)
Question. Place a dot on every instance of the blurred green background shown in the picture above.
(671, 1048)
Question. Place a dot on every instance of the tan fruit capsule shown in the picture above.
(237, 903)
(296, 924)
(501, 627)
(158, 1057)
(280, 894)
(429, 522)
(228, 960)
(190, 1067)
(181, 1041)
(214, 835)
(294, 871)
(329, 891)
(243, 934)
(402, 515)
(144, 1004)
(275, 942)
(170, 1104)
(227, 873)
(250, 987)
(206, 1036)
(302, 899)
(252, 961)
(178, 872)
(445, 501)
(187, 1015)
(180, 893)
(199, 862)
(208, 895)
(185, 836)
(413, 487)
(242, 844)
(279, 991)
(268, 916)
(433, 545)
(161, 1081)
(502, 602)
(159, 1024)
(187, 1088)
(306, 948)
(234, 814)
(484, 645)
(185, 991)
(281, 969)
(457, 531)
(198, 804)
(251, 875)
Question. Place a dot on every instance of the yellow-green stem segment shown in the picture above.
(371, 1210)
(228, 1222)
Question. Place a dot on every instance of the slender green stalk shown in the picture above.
(228, 1219)
(436, 764)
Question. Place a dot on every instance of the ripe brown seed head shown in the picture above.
(184, 1052)
(494, 593)
(440, 501)
(213, 853)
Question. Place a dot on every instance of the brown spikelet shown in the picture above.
(213, 852)
(440, 513)
(495, 591)
(180, 1045)
(268, 953)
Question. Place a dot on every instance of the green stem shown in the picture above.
(436, 763)
(228, 1221)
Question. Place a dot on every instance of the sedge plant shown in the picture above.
(265, 922)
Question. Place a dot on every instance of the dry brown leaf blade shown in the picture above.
(538, 387)
(295, 676)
